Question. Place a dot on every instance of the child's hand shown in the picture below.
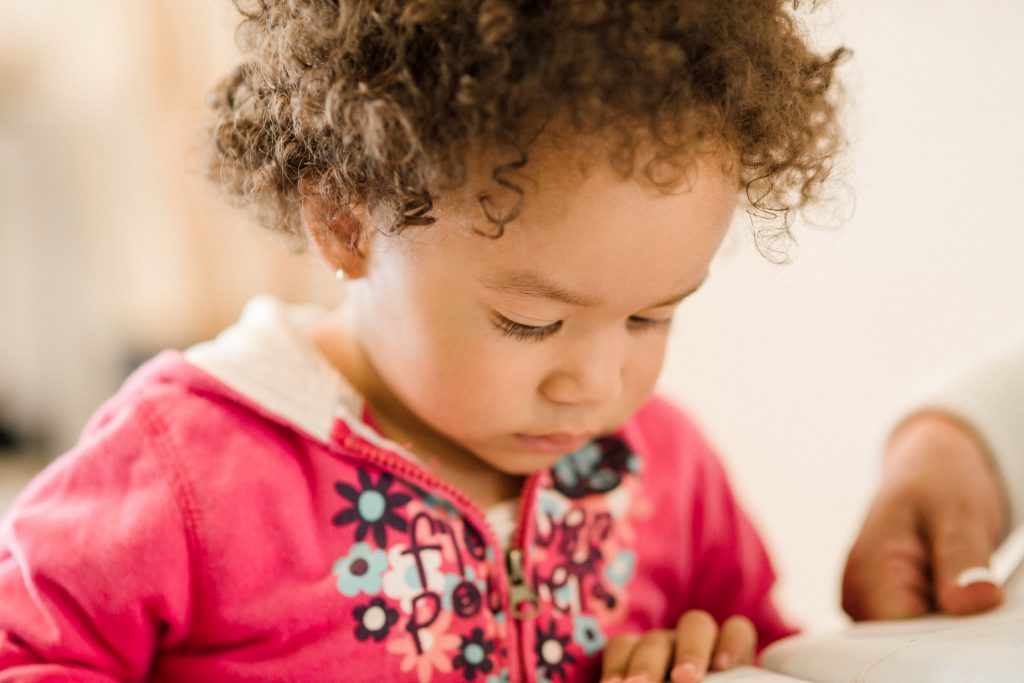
(696, 643)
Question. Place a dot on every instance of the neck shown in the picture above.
(446, 459)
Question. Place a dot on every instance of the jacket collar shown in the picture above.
(269, 357)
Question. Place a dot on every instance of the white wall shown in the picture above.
(791, 368)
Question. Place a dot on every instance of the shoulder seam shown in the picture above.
(177, 480)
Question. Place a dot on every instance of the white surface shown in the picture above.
(749, 674)
(937, 649)
(790, 369)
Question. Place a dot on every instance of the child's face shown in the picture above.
(522, 348)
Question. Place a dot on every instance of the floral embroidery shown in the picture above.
(375, 620)
(360, 570)
(403, 582)
(552, 654)
(464, 595)
(596, 468)
(501, 677)
(620, 569)
(428, 650)
(373, 507)
(474, 655)
(435, 503)
(587, 634)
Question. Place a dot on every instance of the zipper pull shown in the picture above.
(524, 602)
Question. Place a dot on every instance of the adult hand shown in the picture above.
(696, 644)
(940, 512)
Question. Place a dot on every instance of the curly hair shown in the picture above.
(377, 102)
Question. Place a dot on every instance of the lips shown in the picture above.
(557, 443)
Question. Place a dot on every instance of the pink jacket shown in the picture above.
(194, 534)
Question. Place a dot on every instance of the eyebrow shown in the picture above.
(532, 284)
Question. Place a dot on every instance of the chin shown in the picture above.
(523, 464)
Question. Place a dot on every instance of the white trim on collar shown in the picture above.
(268, 357)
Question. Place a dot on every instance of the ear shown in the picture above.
(337, 234)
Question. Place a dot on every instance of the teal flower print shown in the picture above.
(463, 595)
(598, 467)
(587, 634)
(475, 655)
(620, 569)
(360, 570)
(577, 465)
(372, 507)
(501, 677)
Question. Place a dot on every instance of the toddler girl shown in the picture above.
(460, 474)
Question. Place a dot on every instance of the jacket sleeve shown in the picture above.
(733, 573)
(715, 558)
(988, 395)
(94, 559)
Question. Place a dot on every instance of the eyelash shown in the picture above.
(511, 328)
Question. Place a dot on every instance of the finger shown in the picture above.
(886, 574)
(890, 584)
(696, 633)
(651, 657)
(962, 546)
(737, 641)
(616, 657)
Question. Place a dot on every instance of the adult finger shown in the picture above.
(962, 546)
(737, 641)
(651, 657)
(616, 657)
(696, 633)
(886, 573)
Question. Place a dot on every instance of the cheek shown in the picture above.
(644, 367)
(465, 371)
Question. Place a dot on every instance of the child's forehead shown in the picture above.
(561, 167)
(588, 239)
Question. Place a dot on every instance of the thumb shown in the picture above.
(886, 574)
(962, 548)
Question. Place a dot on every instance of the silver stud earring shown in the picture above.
(339, 274)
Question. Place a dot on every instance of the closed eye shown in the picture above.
(639, 323)
(516, 330)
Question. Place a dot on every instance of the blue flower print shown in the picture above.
(620, 569)
(551, 504)
(360, 570)
(571, 468)
(598, 467)
(501, 677)
(434, 502)
(587, 634)
(372, 507)
(563, 594)
(474, 655)
(463, 595)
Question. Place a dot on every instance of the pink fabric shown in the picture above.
(193, 535)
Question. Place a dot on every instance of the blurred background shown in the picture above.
(113, 246)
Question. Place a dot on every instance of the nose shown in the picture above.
(586, 375)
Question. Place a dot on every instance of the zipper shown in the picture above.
(524, 605)
(519, 591)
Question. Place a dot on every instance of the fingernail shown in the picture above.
(974, 575)
(685, 673)
(639, 678)
(723, 660)
(613, 679)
